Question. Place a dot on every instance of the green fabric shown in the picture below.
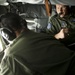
(37, 54)
(56, 26)
(56, 22)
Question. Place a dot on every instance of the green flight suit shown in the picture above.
(57, 24)
(37, 54)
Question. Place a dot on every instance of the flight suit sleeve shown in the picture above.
(51, 28)
(5, 68)
(12, 66)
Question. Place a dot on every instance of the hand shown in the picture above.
(60, 35)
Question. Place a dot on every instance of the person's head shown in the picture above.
(62, 10)
(12, 24)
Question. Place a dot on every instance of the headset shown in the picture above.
(8, 22)
(7, 34)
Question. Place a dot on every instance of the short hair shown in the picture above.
(13, 20)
